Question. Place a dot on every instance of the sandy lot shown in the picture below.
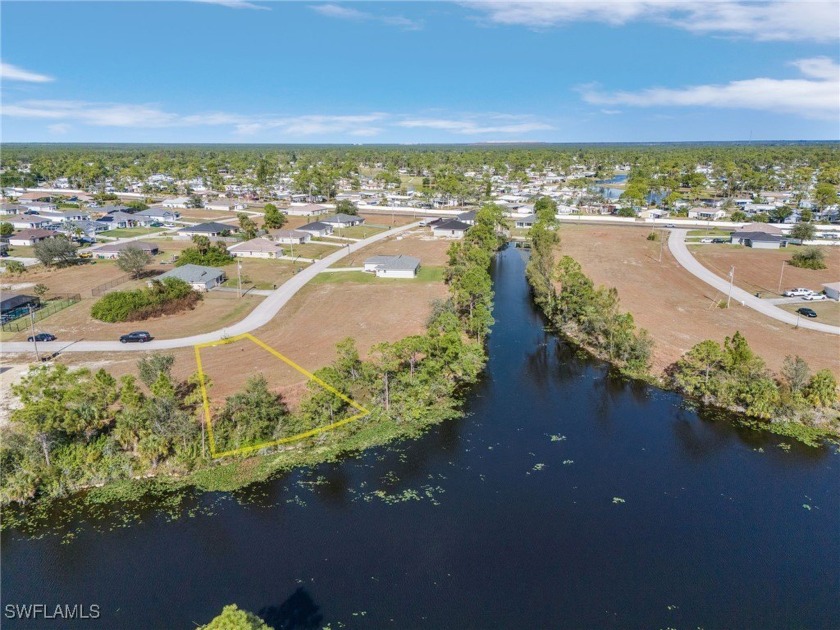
(759, 269)
(76, 279)
(306, 331)
(430, 251)
(677, 308)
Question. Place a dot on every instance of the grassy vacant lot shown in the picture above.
(426, 274)
(759, 269)
(22, 251)
(132, 232)
(828, 311)
(76, 279)
(677, 308)
(360, 231)
(719, 232)
(260, 273)
(419, 243)
(309, 250)
(215, 311)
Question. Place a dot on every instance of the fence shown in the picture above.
(55, 304)
(100, 289)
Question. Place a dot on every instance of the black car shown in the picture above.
(42, 337)
(807, 312)
(140, 336)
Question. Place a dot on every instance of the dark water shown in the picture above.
(637, 513)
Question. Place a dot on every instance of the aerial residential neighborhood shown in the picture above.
(423, 315)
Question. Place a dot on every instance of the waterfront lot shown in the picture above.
(759, 269)
(678, 309)
(419, 243)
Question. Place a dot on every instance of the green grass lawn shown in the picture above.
(129, 232)
(359, 231)
(711, 232)
(426, 274)
(309, 250)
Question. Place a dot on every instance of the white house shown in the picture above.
(25, 238)
(450, 229)
(398, 266)
(256, 248)
(160, 214)
(526, 222)
(706, 214)
(317, 229)
(30, 222)
(305, 210)
(229, 205)
(176, 202)
(758, 240)
(291, 237)
(341, 220)
(111, 251)
(199, 277)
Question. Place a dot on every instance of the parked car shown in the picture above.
(720, 240)
(707, 240)
(807, 312)
(42, 337)
(815, 297)
(798, 292)
(670, 225)
(140, 336)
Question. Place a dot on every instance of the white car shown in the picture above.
(707, 240)
(798, 292)
(815, 297)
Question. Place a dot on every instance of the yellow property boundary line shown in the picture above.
(293, 438)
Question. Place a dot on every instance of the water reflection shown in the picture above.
(298, 612)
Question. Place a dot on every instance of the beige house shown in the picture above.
(256, 248)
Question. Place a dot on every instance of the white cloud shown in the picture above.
(8, 72)
(59, 129)
(779, 20)
(347, 13)
(812, 97)
(477, 125)
(235, 4)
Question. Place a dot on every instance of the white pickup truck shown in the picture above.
(798, 292)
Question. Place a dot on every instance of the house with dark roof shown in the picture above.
(467, 217)
(342, 220)
(399, 266)
(165, 215)
(450, 229)
(17, 305)
(526, 222)
(117, 219)
(199, 277)
(210, 229)
(758, 240)
(317, 228)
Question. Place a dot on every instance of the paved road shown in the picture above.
(676, 243)
(260, 316)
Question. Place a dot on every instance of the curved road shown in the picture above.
(260, 316)
(676, 243)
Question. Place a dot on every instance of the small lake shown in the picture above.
(566, 498)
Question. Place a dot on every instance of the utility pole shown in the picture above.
(239, 276)
(780, 277)
(661, 244)
(731, 282)
(34, 339)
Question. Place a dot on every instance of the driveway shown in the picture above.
(676, 243)
(260, 316)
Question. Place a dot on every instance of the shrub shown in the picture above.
(160, 298)
(809, 258)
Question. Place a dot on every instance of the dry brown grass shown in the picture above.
(759, 269)
(678, 309)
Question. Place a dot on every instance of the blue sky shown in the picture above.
(389, 72)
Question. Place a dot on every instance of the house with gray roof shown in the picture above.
(165, 215)
(199, 277)
(110, 251)
(290, 237)
(317, 228)
(526, 222)
(758, 240)
(305, 210)
(398, 266)
(450, 229)
(342, 220)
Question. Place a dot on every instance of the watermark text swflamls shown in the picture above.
(49, 611)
